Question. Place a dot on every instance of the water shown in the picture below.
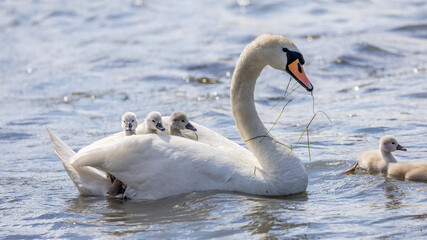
(76, 67)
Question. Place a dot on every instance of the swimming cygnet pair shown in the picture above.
(382, 160)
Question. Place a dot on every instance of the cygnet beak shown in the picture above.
(160, 126)
(401, 148)
(189, 126)
(129, 127)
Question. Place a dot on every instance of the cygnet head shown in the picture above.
(179, 120)
(389, 143)
(129, 122)
(281, 54)
(154, 121)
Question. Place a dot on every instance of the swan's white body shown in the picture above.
(158, 166)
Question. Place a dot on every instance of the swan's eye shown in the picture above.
(182, 120)
(124, 121)
(285, 49)
(153, 121)
(392, 143)
(133, 120)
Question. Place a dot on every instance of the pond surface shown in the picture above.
(76, 66)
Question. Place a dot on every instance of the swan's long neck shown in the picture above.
(270, 154)
(248, 68)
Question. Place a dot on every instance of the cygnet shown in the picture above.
(129, 123)
(378, 160)
(152, 123)
(179, 121)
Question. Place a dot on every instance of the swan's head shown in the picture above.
(154, 121)
(179, 120)
(129, 122)
(389, 143)
(282, 54)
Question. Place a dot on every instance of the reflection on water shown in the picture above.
(393, 193)
(266, 215)
(77, 69)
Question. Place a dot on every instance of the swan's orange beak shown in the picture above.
(296, 71)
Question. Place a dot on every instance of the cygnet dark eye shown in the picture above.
(392, 143)
(182, 120)
(124, 121)
(153, 120)
(285, 49)
(133, 120)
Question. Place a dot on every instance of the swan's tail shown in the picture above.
(88, 180)
(352, 169)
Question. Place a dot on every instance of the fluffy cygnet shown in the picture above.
(179, 121)
(152, 123)
(378, 160)
(129, 123)
(408, 171)
(383, 161)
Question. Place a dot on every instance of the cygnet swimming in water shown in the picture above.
(152, 123)
(382, 160)
(129, 123)
(378, 160)
(179, 121)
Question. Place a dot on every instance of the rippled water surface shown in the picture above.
(77, 66)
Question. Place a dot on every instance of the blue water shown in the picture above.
(76, 66)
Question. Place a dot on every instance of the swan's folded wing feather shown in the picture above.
(88, 180)
(118, 154)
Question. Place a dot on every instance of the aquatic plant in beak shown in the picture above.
(305, 130)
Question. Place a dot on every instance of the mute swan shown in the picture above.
(179, 121)
(152, 123)
(158, 166)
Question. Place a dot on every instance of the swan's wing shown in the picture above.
(161, 165)
(89, 181)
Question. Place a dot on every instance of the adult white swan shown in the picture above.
(157, 166)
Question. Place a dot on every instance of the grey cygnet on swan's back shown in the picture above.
(179, 121)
